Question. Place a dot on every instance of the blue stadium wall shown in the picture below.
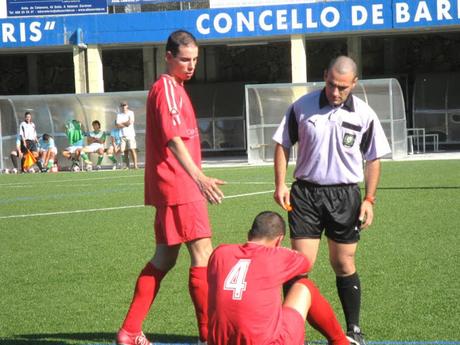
(311, 19)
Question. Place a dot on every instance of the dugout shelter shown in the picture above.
(118, 45)
(50, 113)
(219, 108)
(267, 104)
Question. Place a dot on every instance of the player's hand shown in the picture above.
(281, 196)
(209, 186)
(366, 214)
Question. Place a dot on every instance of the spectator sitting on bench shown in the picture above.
(15, 155)
(96, 141)
(47, 151)
(75, 137)
(114, 148)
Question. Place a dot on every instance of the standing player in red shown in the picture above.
(245, 281)
(176, 187)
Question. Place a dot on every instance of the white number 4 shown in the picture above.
(236, 278)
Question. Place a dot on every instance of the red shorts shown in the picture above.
(182, 223)
(292, 328)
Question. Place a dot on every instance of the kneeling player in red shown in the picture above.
(245, 281)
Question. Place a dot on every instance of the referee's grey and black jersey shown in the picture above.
(332, 141)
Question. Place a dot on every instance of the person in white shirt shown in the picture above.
(29, 139)
(336, 132)
(125, 121)
(28, 134)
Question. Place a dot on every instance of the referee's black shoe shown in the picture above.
(355, 336)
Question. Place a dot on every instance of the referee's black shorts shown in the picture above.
(333, 209)
(31, 146)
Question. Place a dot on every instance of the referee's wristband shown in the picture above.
(370, 198)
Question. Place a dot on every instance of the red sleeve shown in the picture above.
(167, 110)
(292, 263)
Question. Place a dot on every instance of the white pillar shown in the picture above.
(95, 71)
(148, 57)
(79, 68)
(298, 59)
(354, 51)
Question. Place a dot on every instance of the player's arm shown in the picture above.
(130, 120)
(91, 139)
(18, 146)
(371, 180)
(209, 186)
(101, 139)
(281, 160)
(120, 124)
(22, 135)
(35, 135)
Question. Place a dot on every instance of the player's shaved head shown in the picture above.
(267, 225)
(343, 65)
(180, 38)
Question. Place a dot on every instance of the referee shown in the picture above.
(335, 132)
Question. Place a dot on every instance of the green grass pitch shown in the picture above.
(72, 245)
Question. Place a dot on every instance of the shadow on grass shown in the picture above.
(88, 338)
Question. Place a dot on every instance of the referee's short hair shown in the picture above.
(343, 64)
(268, 225)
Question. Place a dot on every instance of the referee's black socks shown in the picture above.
(349, 290)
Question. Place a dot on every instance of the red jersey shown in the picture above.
(169, 114)
(245, 292)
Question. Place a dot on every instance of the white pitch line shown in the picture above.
(248, 194)
(249, 182)
(75, 181)
(69, 212)
(44, 214)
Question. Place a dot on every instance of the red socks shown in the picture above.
(321, 316)
(198, 288)
(147, 286)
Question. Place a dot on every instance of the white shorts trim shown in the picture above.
(52, 149)
(94, 147)
(72, 149)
